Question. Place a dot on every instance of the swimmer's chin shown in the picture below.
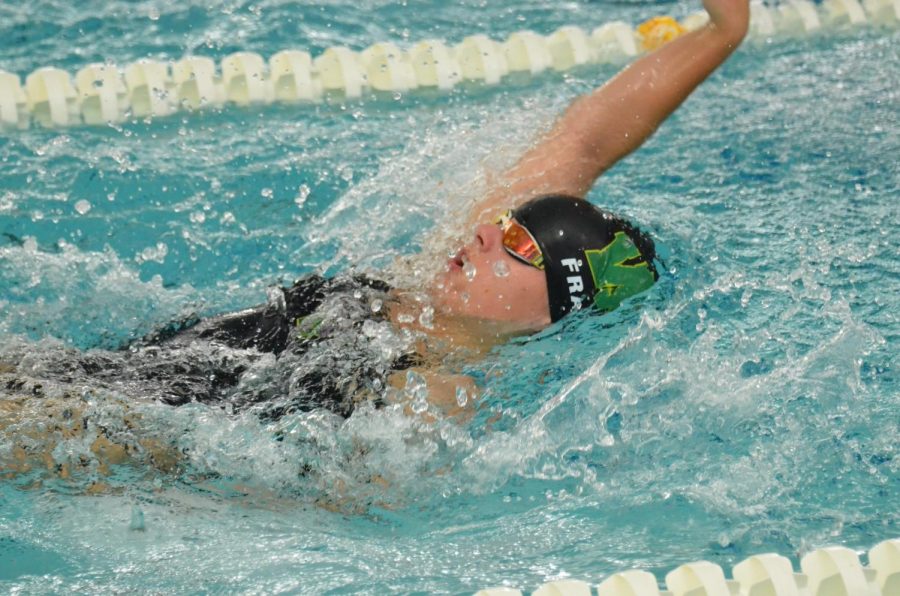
(454, 313)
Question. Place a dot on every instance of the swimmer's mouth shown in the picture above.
(457, 262)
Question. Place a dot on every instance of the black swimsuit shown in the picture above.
(322, 343)
(332, 343)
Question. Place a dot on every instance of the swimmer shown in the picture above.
(337, 343)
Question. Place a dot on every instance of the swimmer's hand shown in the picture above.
(731, 18)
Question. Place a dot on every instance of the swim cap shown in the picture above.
(590, 255)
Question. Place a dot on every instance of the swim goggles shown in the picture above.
(519, 242)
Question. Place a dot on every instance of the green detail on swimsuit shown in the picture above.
(614, 279)
(312, 327)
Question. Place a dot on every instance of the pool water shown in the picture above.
(749, 402)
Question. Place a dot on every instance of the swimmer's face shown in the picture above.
(484, 281)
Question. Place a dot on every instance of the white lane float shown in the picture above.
(196, 83)
(481, 59)
(526, 51)
(388, 68)
(828, 571)
(292, 78)
(245, 80)
(340, 69)
(52, 99)
(102, 94)
(434, 64)
(149, 88)
(569, 47)
(13, 102)
(614, 41)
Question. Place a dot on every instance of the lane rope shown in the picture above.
(833, 570)
(102, 94)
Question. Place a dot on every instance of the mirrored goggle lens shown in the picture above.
(519, 242)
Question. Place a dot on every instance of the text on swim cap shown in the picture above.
(576, 283)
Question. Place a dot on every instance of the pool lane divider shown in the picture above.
(829, 571)
(103, 94)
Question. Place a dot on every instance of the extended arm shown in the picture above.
(602, 127)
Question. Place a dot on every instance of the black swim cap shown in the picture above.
(590, 255)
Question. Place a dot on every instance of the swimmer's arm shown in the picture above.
(602, 127)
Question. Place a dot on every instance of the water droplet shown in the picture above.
(417, 389)
(426, 318)
(469, 270)
(302, 194)
(501, 269)
(153, 253)
(376, 305)
(82, 207)
(462, 397)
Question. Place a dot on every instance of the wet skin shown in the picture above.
(516, 301)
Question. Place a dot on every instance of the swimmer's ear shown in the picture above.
(600, 128)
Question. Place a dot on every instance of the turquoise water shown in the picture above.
(750, 402)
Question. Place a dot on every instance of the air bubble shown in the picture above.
(267, 193)
(82, 207)
(469, 270)
(198, 217)
(501, 269)
(376, 305)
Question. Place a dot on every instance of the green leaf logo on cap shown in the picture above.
(614, 276)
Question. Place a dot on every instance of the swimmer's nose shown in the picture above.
(488, 237)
